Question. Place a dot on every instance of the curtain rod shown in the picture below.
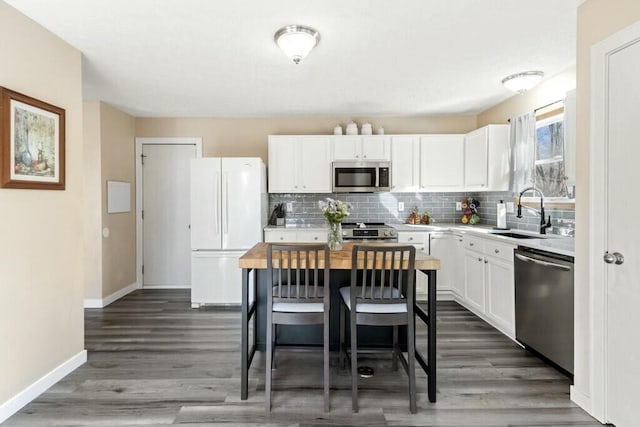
(543, 107)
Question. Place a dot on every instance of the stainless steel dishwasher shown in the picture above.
(544, 305)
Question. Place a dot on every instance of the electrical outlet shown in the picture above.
(400, 206)
(289, 206)
(510, 207)
(458, 206)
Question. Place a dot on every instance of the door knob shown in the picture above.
(613, 258)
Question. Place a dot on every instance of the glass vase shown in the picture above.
(335, 236)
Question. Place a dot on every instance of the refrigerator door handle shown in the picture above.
(216, 208)
(226, 203)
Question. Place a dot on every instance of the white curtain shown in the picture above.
(523, 151)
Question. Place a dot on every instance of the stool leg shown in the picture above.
(394, 360)
(354, 362)
(267, 368)
(411, 361)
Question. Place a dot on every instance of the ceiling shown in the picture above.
(210, 58)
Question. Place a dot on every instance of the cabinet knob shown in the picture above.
(281, 238)
(470, 244)
(496, 251)
(486, 262)
(479, 259)
(357, 156)
(304, 186)
(365, 156)
(315, 238)
(460, 240)
(410, 238)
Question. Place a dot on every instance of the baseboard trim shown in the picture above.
(34, 390)
(165, 287)
(441, 295)
(101, 303)
(582, 400)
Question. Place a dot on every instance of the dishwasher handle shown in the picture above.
(543, 263)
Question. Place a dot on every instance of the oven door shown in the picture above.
(354, 179)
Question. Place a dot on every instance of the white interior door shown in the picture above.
(165, 205)
(622, 230)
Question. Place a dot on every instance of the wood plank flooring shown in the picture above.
(155, 361)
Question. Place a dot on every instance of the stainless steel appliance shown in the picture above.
(544, 305)
(368, 231)
(361, 177)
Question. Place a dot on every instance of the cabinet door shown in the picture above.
(474, 280)
(283, 164)
(347, 147)
(457, 278)
(280, 236)
(442, 162)
(440, 247)
(376, 148)
(315, 165)
(499, 158)
(475, 160)
(501, 293)
(405, 164)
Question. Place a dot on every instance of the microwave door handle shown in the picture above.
(377, 178)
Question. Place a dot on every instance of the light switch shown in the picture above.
(400, 206)
(289, 206)
(458, 206)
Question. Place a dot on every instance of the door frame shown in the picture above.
(599, 143)
(140, 143)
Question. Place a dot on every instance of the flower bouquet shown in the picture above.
(334, 211)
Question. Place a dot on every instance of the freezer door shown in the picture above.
(216, 277)
(241, 202)
(206, 209)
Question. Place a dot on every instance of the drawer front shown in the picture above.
(474, 243)
(312, 236)
(414, 238)
(279, 236)
(499, 250)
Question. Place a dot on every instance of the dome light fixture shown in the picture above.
(296, 41)
(522, 82)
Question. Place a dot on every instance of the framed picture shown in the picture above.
(31, 143)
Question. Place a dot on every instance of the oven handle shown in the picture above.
(543, 263)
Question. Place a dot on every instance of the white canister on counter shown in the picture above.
(352, 129)
(367, 129)
(501, 219)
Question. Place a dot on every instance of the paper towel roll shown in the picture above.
(501, 210)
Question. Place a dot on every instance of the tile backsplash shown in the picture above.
(383, 207)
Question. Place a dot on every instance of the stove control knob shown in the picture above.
(386, 233)
(393, 232)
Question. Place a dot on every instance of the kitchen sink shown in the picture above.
(518, 235)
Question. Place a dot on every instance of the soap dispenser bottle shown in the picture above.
(501, 220)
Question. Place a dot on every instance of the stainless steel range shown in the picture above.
(368, 231)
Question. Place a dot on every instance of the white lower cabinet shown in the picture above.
(474, 288)
(457, 256)
(419, 240)
(489, 289)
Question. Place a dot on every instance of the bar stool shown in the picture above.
(381, 293)
(298, 277)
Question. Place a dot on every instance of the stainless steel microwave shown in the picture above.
(361, 177)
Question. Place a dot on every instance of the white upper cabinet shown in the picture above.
(487, 159)
(358, 147)
(442, 162)
(405, 164)
(299, 164)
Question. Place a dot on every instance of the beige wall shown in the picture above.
(597, 19)
(92, 201)
(248, 137)
(41, 248)
(117, 136)
(551, 90)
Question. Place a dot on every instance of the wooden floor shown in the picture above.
(155, 361)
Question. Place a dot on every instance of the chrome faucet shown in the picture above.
(543, 225)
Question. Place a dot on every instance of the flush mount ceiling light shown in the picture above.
(522, 82)
(296, 41)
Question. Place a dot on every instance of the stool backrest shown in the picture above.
(298, 273)
(382, 274)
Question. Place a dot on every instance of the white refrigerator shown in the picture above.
(228, 214)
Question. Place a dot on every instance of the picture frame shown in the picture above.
(32, 143)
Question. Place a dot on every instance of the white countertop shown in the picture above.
(549, 242)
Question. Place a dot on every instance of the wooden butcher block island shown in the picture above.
(255, 261)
